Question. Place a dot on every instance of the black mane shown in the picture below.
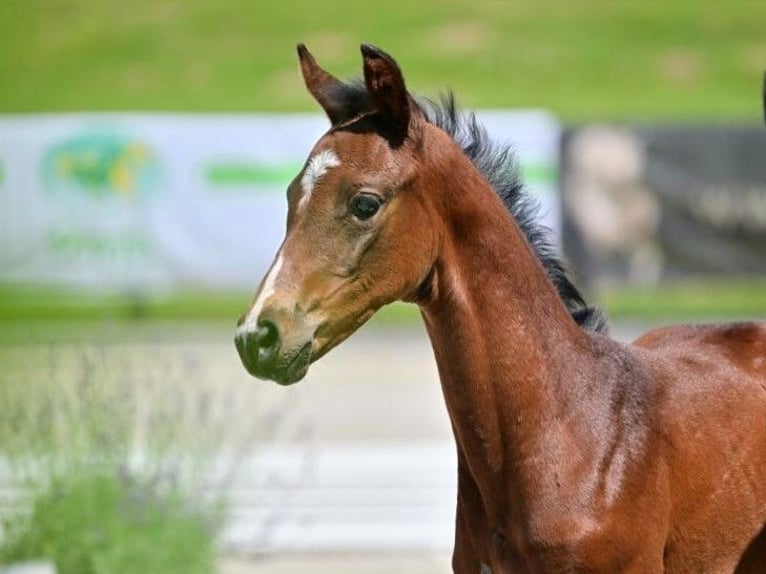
(497, 163)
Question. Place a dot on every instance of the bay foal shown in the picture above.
(575, 453)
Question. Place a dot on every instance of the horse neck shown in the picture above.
(501, 335)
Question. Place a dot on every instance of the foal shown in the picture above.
(575, 453)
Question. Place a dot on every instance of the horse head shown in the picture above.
(359, 234)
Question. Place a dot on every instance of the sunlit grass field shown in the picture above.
(64, 316)
(591, 59)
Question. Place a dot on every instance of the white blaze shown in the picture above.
(316, 168)
(267, 290)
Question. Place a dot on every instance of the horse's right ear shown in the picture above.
(385, 84)
(336, 98)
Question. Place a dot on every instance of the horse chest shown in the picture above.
(565, 538)
(521, 552)
(567, 554)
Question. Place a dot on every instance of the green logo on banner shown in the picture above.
(101, 165)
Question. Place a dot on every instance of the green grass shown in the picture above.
(19, 304)
(103, 524)
(25, 303)
(680, 59)
(707, 299)
(34, 314)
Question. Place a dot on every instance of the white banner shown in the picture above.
(146, 201)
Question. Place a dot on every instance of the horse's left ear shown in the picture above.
(339, 101)
(385, 84)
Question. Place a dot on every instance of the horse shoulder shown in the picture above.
(605, 513)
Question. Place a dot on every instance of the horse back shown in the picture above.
(738, 345)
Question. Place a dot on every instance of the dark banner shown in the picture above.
(644, 204)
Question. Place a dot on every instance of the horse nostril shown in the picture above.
(267, 335)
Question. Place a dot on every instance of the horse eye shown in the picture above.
(364, 206)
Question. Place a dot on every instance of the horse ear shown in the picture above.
(328, 90)
(385, 84)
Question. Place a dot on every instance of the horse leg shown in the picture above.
(466, 557)
(753, 561)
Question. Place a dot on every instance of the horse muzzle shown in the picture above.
(267, 354)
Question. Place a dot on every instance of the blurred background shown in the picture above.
(145, 149)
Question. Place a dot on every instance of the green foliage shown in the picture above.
(588, 59)
(99, 523)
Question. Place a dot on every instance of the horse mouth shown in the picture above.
(285, 369)
(297, 367)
